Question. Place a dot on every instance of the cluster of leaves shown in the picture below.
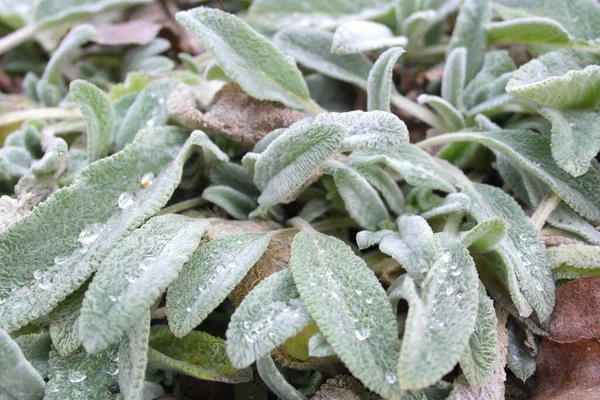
(236, 219)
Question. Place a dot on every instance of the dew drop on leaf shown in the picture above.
(125, 200)
(147, 179)
(456, 273)
(58, 260)
(369, 300)
(449, 290)
(90, 233)
(188, 309)
(391, 378)
(76, 376)
(37, 274)
(362, 334)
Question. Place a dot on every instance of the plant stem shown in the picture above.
(16, 38)
(181, 206)
(453, 222)
(299, 223)
(544, 209)
(417, 110)
(39, 113)
(313, 107)
(443, 139)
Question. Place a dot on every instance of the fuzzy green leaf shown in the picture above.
(82, 376)
(293, 158)
(36, 349)
(572, 261)
(19, 380)
(416, 166)
(520, 360)
(314, 209)
(560, 79)
(529, 30)
(575, 138)
(362, 36)
(379, 82)
(276, 381)
(477, 361)
(344, 297)
(454, 78)
(470, 33)
(360, 198)
(62, 262)
(198, 355)
(149, 109)
(385, 184)
(371, 130)
(211, 274)
(233, 175)
(452, 203)
(318, 346)
(234, 202)
(134, 275)
(64, 323)
(99, 118)
(133, 358)
(270, 314)
(452, 117)
(246, 57)
(440, 319)
(278, 14)
(312, 48)
(485, 236)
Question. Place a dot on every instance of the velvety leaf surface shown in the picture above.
(485, 236)
(350, 308)
(361, 36)
(36, 348)
(19, 379)
(64, 323)
(385, 184)
(246, 57)
(133, 358)
(528, 30)
(270, 314)
(572, 261)
(318, 346)
(453, 118)
(454, 78)
(211, 274)
(234, 202)
(379, 81)
(276, 381)
(134, 275)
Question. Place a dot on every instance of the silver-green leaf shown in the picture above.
(362, 36)
(19, 380)
(133, 358)
(379, 82)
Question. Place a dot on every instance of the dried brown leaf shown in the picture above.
(181, 106)
(342, 387)
(576, 311)
(138, 32)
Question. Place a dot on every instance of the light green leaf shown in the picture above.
(440, 320)
(531, 30)
(366, 239)
(385, 184)
(478, 358)
(531, 152)
(237, 204)
(560, 79)
(198, 355)
(414, 246)
(276, 381)
(453, 118)
(565, 218)
(36, 349)
(488, 85)
(19, 379)
(572, 261)
(416, 166)
(14, 162)
(55, 153)
(64, 323)
(62, 262)
(362, 36)
(147, 59)
(344, 297)
(133, 358)
(372, 130)
(416, 26)
(470, 33)
(575, 138)
(314, 209)
(99, 118)
(520, 360)
(211, 274)
(82, 375)
(247, 57)
(278, 14)
(149, 109)
(485, 236)
(293, 158)
(360, 198)
(269, 315)
(318, 346)
(454, 78)
(134, 275)
(233, 175)
(48, 13)
(312, 48)
(452, 203)
(379, 82)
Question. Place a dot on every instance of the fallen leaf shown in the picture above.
(131, 32)
(342, 387)
(576, 311)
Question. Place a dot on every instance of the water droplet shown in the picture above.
(446, 257)
(246, 325)
(45, 284)
(90, 233)
(125, 200)
(453, 267)
(153, 95)
(188, 309)
(112, 372)
(449, 290)
(150, 123)
(143, 266)
(443, 270)
(358, 292)
(441, 280)
(456, 273)
(391, 378)
(460, 295)
(58, 260)
(249, 338)
(369, 300)
(2, 301)
(441, 324)
(76, 376)
(37, 274)
(131, 278)
(362, 334)
(311, 283)
(538, 287)
(147, 179)
(114, 299)
(161, 100)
